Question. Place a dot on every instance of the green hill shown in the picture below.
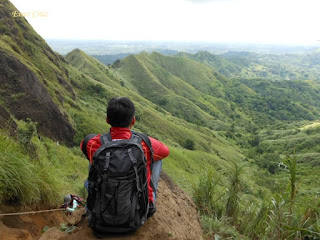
(240, 102)
(225, 135)
(173, 94)
(248, 65)
(300, 140)
(146, 110)
(216, 62)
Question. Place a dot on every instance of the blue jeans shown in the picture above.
(156, 170)
(86, 182)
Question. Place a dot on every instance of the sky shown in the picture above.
(252, 21)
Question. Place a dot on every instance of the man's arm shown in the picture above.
(92, 146)
(160, 150)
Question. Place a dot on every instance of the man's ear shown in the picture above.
(133, 120)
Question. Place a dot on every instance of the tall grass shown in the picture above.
(218, 202)
(19, 181)
(288, 218)
(280, 217)
(219, 228)
(232, 207)
(26, 179)
(206, 195)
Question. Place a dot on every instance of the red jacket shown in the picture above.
(160, 150)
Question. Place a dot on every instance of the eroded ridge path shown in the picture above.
(176, 218)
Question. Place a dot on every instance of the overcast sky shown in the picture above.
(266, 21)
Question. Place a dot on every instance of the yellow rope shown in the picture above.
(32, 212)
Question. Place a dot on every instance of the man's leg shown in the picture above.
(86, 182)
(86, 185)
(156, 170)
(155, 176)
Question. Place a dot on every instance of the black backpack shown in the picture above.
(118, 192)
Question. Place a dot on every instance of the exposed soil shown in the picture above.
(28, 226)
(176, 218)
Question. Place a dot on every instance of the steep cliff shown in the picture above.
(33, 78)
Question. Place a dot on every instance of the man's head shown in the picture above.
(120, 112)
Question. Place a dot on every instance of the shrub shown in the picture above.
(189, 144)
(26, 131)
(269, 161)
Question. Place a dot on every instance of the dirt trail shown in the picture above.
(176, 218)
(28, 226)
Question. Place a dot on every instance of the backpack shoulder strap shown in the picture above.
(136, 138)
(85, 143)
(104, 138)
(146, 139)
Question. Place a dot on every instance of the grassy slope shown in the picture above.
(185, 166)
(196, 74)
(230, 101)
(151, 117)
(27, 46)
(246, 97)
(176, 91)
(300, 140)
(42, 175)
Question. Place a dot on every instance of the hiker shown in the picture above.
(120, 115)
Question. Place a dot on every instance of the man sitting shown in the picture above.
(120, 115)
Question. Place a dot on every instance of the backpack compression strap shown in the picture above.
(85, 143)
